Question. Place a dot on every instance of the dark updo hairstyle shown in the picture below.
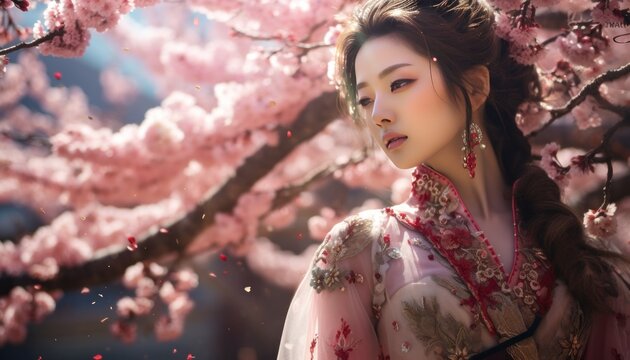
(461, 34)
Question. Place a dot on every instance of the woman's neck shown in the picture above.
(485, 194)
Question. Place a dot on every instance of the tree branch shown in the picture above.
(107, 266)
(591, 88)
(33, 43)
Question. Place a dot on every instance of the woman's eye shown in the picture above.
(398, 83)
(394, 85)
(364, 102)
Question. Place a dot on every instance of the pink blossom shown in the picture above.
(124, 330)
(19, 296)
(133, 274)
(4, 60)
(544, 3)
(44, 305)
(581, 52)
(281, 267)
(145, 3)
(160, 134)
(503, 25)
(604, 14)
(117, 88)
(145, 305)
(76, 37)
(186, 279)
(531, 116)
(601, 223)
(45, 270)
(180, 306)
(157, 270)
(550, 164)
(167, 292)
(319, 225)
(13, 86)
(333, 33)
(128, 306)
(98, 14)
(146, 287)
(167, 329)
(586, 114)
(526, 55)
(506, 4)
(523, 34)
(282, 217)
(10, 262)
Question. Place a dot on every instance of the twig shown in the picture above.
(33, 43)
(589, 89)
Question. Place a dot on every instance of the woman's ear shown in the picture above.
(477, 82)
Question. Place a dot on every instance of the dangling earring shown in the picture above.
(470, 160)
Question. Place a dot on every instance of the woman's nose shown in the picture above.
(381, 114)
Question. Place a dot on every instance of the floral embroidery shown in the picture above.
(440, 333)
(345, 240)
(313, 344)
(343, 345)
(396, 325)
(572, 344)
(470, 255)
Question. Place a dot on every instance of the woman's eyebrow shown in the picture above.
(383, 73)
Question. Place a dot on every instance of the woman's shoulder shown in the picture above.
(345, 252)
(354, 233)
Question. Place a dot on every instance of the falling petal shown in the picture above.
(101, 295)
(58, 75)
(174, 351)
(164, 230)
(213, 275)
(289, 134)
(223, 257)
(248, 288)
(104, 319)
(97, 357)
(203, 216)
(85, 290)
(37, 286)
(299, 236)
(133, 244)
(190, 357)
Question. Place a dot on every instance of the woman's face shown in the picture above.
(401, 98)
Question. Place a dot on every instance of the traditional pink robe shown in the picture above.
(420, 281)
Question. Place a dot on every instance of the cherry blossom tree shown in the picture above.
(248, 123)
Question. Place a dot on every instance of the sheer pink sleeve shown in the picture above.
(330, 316)
(610, 333)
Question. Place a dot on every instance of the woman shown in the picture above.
(482, 260)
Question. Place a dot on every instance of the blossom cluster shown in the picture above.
(152, 283)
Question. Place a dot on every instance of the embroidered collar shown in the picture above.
(435, 209)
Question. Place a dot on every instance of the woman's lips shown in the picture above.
(396, 142)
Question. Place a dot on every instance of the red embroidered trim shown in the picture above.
(450, 233)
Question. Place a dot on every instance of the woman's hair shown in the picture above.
(460, 35)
